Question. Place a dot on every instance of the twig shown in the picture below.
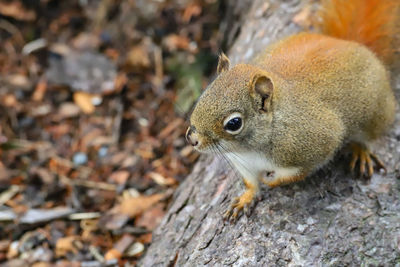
(90, 184)
(84, 215)
(116, 132)
(96, 254)
(33, 46)
(8, 194)
(13, 30)
(159, 72)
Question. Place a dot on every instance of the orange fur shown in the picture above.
(305, 51)
(285, 180)
(374, 23)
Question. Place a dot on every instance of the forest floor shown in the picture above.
(93, 100)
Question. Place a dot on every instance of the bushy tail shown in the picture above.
(374, 23)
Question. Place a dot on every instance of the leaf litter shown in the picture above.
(94, 97)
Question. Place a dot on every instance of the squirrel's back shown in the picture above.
(342, 68)
(308, 57)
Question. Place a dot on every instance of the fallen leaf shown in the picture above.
(192, 10)
(119, 248)
(18, 80)
(112, 254)
(136, 205)
(145, 151)
(65, 245)
(138, 57)
(135, 250)
(42, 264)
(60, 166)
(16, 10)
(86, 40)
(68, 110)
(161, 180)
(120, 81)
(84, 101)
(10, 101)
(119, 177)
(65, 263)
(129, 161)
(40, 90)
(174, 42)
(4, 245)
(13, 250)
(40, 110)
(152, 217)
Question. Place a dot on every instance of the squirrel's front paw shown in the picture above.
(243, 202)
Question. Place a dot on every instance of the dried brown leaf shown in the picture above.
(152, 217)
(137, 205)
(192, 10)
(161, 180)
(119, 177)
(16, 10)
(66, 244)
(138, 57)
(40, 90)
(174, 42)
(113, 254)
(84, 101)
(42, 264)
(68, 110)
(117, 251)
(18, 80)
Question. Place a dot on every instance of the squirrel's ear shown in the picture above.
(223, 63)
(263, 88)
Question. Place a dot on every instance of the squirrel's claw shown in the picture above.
(378, 162)
(246, 210)
(242, 203)
(228, 213)
(232, 212)
(365, 158)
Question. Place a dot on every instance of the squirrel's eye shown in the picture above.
(233, 124)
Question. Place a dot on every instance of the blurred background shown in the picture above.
(94, 99)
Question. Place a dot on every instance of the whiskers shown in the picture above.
(222, 150)
(216, 149)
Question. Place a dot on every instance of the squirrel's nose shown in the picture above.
(190, 138)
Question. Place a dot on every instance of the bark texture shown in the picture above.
(330, 219)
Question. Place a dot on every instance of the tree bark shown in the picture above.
(329, 219)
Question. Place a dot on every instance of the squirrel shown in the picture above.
(295, 104)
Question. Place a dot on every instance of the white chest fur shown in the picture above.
(253, 165)
(250, 163)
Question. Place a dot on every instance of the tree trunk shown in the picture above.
(330, 219)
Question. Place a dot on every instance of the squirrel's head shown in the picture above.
(233, 111)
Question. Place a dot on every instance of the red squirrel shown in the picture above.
(295, 104)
